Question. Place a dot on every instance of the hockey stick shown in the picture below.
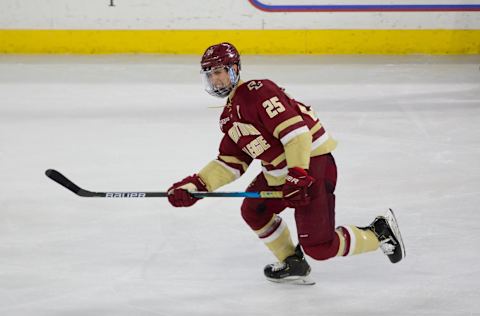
(64, 181)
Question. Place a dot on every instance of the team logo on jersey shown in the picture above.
(256, 147)
(241, 129)
(223, 122)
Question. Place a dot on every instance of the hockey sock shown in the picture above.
(354, 240)
(276, 237)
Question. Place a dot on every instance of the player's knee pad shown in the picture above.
(255, 213)
(258, 212)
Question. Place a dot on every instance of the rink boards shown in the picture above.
(248, 41)
(256, 27)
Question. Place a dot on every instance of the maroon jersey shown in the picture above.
(260, 122)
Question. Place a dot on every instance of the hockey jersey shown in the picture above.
(260, 121)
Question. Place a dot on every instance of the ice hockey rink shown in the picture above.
(408, 129)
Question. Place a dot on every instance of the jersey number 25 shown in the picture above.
(273, 106)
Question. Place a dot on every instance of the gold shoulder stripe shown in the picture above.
(285, 124)
(315, 128)
(235, 160)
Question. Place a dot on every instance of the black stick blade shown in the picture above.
(65, 182)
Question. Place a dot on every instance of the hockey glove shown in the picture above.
(178, 193)
(295, 189)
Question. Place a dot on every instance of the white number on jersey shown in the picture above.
(254, 85)
(273, 106)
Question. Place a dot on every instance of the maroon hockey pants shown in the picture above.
(315, 222)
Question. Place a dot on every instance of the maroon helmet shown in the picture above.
(223, 54)
(217, 58)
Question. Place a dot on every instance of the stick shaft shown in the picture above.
(65, 182)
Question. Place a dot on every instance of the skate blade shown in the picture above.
(392, 221)
(297, 280)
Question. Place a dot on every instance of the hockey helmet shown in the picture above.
(223, 55)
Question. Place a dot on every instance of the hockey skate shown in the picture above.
(387, 231)
(293, 270)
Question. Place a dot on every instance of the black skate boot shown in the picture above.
(294, 269)
(387, 232)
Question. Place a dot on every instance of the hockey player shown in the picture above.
(260, 121)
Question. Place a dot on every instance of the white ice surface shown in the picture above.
(409, 138)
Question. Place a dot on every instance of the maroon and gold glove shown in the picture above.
(295, 189)
(178, 193)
